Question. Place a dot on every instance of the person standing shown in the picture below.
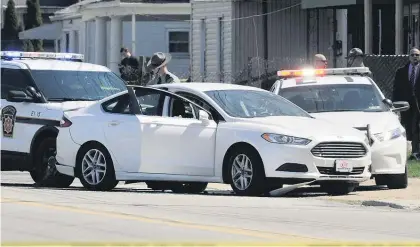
(158, 66)
(129, 66)
(320, 61)
(407, 88)
(355, 58)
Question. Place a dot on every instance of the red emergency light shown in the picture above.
(301, 73)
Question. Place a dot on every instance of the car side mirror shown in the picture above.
(204, 117)
(387, 102)
(18, 96)
(400, 106)
(31, 92)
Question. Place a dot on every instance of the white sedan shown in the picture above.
(346, 97)
(244, 136)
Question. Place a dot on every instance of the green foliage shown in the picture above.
(11, 23)
(33, 19)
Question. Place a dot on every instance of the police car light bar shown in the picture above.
(41, 55)
(322, 72)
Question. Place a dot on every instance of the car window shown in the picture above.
(181, 108)
(65, 85)
(335, 98)
(150, 101)
(201, 102)
(14, 79)
(253, 103)
(120, 105)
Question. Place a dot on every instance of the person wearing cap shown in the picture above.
(320, 61)
(158, 66)
(355, 58)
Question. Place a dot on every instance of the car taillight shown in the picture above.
(65, 122)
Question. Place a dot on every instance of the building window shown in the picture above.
(179, 42)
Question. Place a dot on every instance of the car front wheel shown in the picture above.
(96, 169)
(246, 172)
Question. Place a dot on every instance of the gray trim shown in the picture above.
(310, 4)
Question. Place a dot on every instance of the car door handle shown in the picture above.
(114, 123)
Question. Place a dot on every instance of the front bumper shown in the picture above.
(389, 157)
(297, 163)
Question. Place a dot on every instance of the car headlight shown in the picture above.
(390, 135)
(285, 139)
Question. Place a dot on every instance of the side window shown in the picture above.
(13, 79)
(150, 101)
(120, 105)
(181, 108)
(215, 115)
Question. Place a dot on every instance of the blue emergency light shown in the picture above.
(10, 55)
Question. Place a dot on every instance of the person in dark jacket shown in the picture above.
(407, 88)
(129, 66)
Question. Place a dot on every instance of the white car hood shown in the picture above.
(305, 127)
(70, 105)
(378, 121)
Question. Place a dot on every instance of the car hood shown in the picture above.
(378, 121)
(70, 105)
(305, 127)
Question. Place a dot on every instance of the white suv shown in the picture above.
(36, 89)
(349, 97)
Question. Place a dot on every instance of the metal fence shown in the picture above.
(383, 68)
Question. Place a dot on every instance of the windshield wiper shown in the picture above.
(69, 99)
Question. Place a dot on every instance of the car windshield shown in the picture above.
(336, 98)
(252, 104)
(63, 85)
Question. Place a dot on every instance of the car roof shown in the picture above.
(327, 80)
(207, 86)
(49, 64)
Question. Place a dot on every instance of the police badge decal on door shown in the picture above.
(8, 117)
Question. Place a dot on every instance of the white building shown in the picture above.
(99, 28)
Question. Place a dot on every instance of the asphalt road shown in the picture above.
(132, 213)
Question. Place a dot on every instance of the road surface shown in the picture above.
(132, 213)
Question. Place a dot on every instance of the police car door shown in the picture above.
(17, 130)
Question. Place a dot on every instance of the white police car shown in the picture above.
(36, 89)
(348, 97)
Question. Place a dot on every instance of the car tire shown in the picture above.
(338, 188)
(380, 180)
(95, 168)
(45, 173)
(246, 172)
(188, 188)
(398, 181)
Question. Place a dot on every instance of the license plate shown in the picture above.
(343, 166)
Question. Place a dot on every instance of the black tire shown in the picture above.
(45, 173)
(256, 186)
(338, 188)
(380, 180)
(188, 188)
(398, 181)
(158, 185)
(107, 181)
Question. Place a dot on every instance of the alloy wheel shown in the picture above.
(242, 172)
(94, 167)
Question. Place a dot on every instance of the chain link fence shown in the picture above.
(383, 68)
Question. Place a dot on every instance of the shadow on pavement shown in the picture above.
(309, 191)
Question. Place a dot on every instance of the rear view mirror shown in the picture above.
(400, 106)
(18, 96)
